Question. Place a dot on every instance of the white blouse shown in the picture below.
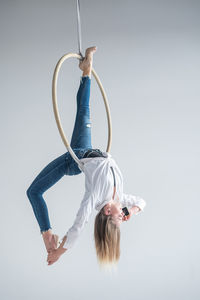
(98, 192)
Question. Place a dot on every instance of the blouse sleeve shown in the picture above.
(82, 218)
(130, 201)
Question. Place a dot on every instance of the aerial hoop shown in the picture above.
(56, 112)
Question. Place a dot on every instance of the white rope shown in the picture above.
(79, 28)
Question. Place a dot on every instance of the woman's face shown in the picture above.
(115, 209)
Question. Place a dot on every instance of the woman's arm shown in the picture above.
(135, 203)
(82, 217)
(132, 211)
(61, 247)
(135, 209)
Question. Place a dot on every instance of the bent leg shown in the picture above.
(81, 136)
(51, 174)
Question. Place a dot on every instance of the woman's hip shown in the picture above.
(72, 166)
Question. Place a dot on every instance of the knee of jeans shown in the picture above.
(87, 122)
(30, 192)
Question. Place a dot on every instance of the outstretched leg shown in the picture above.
(81, 136)
(53, 172)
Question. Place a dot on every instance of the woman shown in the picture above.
(103, 186)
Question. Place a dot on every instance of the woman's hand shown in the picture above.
(55, 254)
(131, 211)
(126, 218)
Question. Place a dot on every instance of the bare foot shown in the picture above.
(51, 240)
(54, 242)
(86, 63)
(55, 254)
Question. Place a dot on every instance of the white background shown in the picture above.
(148, 62)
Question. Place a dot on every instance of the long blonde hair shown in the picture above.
(107, 240)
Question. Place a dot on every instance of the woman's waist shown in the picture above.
(93, 153)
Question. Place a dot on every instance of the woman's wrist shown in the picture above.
(87, 73)
(61, 249)
(135, 210)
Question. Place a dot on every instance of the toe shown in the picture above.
(90, 50)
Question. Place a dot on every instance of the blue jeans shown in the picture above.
(64, 164)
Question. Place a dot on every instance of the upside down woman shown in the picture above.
(103, 186)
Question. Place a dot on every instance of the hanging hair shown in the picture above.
(107, 240)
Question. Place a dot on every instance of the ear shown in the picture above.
(107, 211)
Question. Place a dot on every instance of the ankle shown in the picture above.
(87, 72)
(47, 233)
